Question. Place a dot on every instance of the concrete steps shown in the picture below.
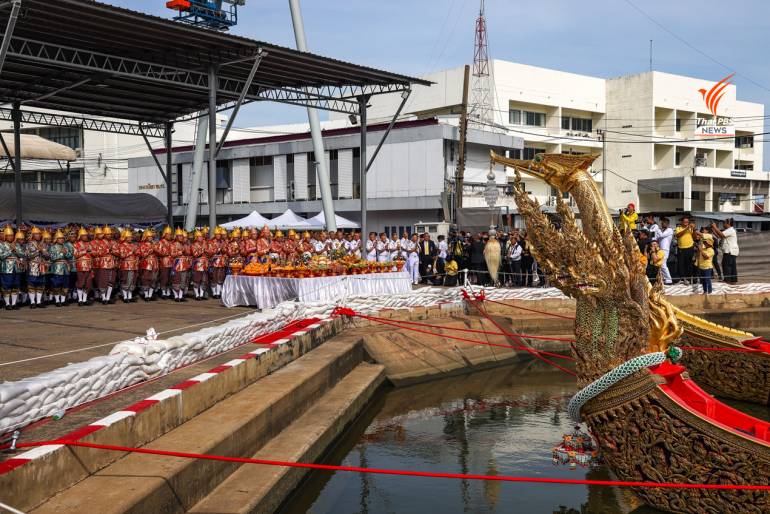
(255, 488)
(239, 426)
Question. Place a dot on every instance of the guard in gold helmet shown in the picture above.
(20, 241)
(216, 249)
(36, 251)
(180, 252)
(102, 249)
(148, 264)
(9, 276)
(83, 266)
(166, 262)
(128, 252)
(200, 265)
(72, 238)
(60, 270)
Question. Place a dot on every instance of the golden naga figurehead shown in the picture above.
(558, 170)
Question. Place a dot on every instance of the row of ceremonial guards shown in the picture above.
(38, 267)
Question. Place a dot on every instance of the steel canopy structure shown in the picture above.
(128, 72)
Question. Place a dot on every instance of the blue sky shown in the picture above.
(605, 38)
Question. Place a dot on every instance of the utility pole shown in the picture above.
(650, 54)
(460, 173)
(603, 135)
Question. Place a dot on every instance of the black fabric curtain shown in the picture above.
(91, 208)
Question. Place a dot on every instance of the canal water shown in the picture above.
(503, 421)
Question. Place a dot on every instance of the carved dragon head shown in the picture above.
(591, 262)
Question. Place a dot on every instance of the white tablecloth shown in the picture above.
(267, 292)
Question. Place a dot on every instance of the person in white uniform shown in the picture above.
(413, 260)
(394, 247)
(383, 254)
(371, 247)
(663, 235)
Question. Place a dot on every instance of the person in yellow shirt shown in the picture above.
(628, 218)
(686, 251)
(704, 260)
(450, 280)
(655, 261)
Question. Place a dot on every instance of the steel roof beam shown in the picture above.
(62, 120)
(328, 97)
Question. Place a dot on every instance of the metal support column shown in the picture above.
(315, 129)
(212, 148)
(17, 159)
(362, 163)
(169, 196)
(193, 201)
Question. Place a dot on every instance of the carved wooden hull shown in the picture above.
(666, 429)
(730, 374)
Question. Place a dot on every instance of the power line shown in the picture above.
(693, 47)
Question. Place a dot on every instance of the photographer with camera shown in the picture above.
(628, 217)
(729, 249)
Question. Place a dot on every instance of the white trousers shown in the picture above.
(413, 267)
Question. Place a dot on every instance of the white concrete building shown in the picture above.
(653, 156)
(271, 173)
(679, 170)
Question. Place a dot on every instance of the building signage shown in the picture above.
(717, 126)
(738, 173)
(145, 187)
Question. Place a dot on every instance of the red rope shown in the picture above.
(401, 472)
(470, 330)
(475, 301)
(393, 323)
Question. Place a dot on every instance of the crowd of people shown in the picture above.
(102, 264)
(686, 253)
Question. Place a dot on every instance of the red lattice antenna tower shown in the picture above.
(480, 112)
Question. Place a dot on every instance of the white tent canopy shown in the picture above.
(254, 219)
(319, 221)
(287, 220)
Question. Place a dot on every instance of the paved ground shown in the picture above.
(37, 334)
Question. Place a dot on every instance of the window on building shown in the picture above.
(679, 124)
(179, 185)
(534, 119)
(514, 117)
(748, 167)
(224, 182)
(290, 177)
(311, 171)
(261, 178)
(356, 173)
(671, 195)
(677, 158)
(529, 153)
(334, 172)
(744, 142)
(565, 122)
(582, 124)
(67, 136)
(515, 153)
